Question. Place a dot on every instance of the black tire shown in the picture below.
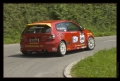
(90, 43)
(61, 49)
(26, 53)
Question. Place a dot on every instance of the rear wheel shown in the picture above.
(91, 43)
(62, 48)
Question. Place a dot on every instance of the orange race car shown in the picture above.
(57, 36)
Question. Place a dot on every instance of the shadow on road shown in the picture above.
(46, 55)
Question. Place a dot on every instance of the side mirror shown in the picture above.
(82, 28)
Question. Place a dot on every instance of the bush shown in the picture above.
(98, 18)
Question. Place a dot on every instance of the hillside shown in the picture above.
(98, 18)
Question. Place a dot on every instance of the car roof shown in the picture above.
(48, 22)
(52, 21)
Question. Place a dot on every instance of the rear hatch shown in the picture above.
(35, 34)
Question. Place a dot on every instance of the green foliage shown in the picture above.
(98, 18)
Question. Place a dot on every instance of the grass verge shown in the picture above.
(16, 38)
(102, 65)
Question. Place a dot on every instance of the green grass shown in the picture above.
(100, 34)
(12, 40)
(101, 65)
(16, 38)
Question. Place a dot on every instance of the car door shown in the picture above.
(62, 30)
(74, 31)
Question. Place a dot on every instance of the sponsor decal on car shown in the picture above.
(54, 49)
(82, 38)
(79, 45)
(74, 39)
(68, 43)
(33, 45)
(83, 47)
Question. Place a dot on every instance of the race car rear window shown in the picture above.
(38, 29)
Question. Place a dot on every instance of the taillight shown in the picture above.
(51, 36)
(22, 38)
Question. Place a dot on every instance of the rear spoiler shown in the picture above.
(48, 24)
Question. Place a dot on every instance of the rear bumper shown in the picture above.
(50, 47)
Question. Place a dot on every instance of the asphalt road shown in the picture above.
(44, 65)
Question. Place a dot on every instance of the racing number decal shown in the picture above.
(74, 39)
(82, 38)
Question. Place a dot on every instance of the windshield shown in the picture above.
(38, 29)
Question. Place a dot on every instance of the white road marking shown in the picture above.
(18, 52)
(109, 40)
